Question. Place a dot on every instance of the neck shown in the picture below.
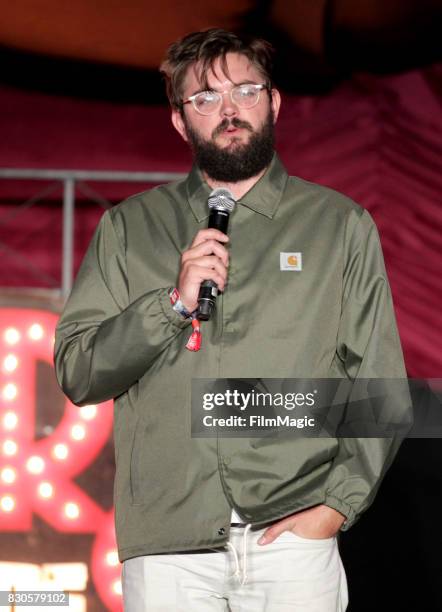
(237, 189)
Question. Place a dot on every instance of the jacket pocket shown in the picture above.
(139, 437)
(152, 462)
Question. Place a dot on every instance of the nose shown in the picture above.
(227, 108)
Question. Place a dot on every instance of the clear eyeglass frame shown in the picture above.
(213, 99)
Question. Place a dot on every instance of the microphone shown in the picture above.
(221, 203)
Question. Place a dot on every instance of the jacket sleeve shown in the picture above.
(103, 343)
(368, 347)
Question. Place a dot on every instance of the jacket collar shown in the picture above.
(264, 197)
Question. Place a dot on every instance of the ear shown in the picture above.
(178, 124)
(275, 103)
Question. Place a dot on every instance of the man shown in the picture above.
(125, 332)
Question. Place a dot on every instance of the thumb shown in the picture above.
(272, 533)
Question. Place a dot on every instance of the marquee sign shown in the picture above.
(37, 475)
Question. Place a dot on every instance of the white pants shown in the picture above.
(292, 574)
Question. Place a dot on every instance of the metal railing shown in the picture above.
(73, 180)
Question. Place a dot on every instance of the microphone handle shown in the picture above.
(218, 219)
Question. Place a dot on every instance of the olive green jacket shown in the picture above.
(118, 337)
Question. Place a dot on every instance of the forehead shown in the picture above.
(239, 70)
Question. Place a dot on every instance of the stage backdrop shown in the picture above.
(376, 139)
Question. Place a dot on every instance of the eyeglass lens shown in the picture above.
(244, 96)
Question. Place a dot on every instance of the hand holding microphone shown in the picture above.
(204, 265)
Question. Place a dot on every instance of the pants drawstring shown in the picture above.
(237, 571)
(242, 580)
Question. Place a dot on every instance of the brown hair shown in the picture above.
(206, 47)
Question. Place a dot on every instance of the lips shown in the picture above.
(231, 127)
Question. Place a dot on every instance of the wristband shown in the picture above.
(194, 342)
(177, 305)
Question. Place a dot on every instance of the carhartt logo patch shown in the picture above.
(290, 261)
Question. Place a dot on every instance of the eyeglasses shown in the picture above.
(244, 96)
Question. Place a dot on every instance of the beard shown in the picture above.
(234, 163)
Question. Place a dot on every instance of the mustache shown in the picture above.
(226, 123)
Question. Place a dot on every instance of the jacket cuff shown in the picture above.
(171, 315)
(344, 508)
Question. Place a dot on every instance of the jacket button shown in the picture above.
(221, 531)
(226, 460)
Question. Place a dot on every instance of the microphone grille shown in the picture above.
(221, 199)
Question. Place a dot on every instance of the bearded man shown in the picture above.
(234, 524)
